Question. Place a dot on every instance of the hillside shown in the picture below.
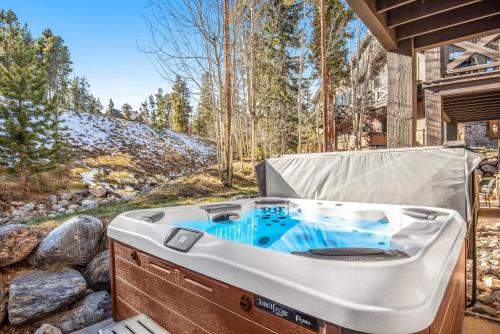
(111, 159)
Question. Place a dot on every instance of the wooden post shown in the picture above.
(324, 102)
(433, 101)
(401, 97)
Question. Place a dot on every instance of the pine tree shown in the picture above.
(24, 111)
(126, 110)
(95, 105)
(109, 108)
(181, 107)
(162, 111)
(203, 124)
(56, 60)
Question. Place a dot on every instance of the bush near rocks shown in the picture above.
(16, 243)
(35, 294)
(72, 243)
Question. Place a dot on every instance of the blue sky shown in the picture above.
(102, 37)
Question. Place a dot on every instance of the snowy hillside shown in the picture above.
(146, 150)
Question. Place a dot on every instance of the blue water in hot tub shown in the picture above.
(276, 229)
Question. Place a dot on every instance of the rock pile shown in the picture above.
(68, 203)
(488, 268)
(489, 166)
(67, 287)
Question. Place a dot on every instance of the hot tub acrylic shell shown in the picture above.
(397, 296)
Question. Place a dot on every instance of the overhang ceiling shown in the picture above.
(480, 106)
(427, 23)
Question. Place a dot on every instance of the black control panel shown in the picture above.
(182, 239)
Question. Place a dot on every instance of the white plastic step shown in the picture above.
(139, 324)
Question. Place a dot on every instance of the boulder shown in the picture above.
(27, 207)
(94, 308)
(65, 196)
(16, 243)
(89, 204)
(2, 300)
(56, 207)
(489, 169)
(47, 329)
(98, 191)
(35, 294)
(41, 207)
(52, 198)
(489, 161)
(484, 309)
(63, 203)
(73, 207)
(97, 272)
(73, 243)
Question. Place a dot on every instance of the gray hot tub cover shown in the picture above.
(426, 176)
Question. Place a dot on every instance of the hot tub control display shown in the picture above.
(287, 313)
(182, 239)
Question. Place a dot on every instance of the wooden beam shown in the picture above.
(471, 106)
(465, 14)
(376, 23)
(452, 102)
(385, 5)
(472, 97)
(468, 53)
(473, 68)
(421, 9)
(452, 35)
(485, 51)
(486, 115)
(460, 104)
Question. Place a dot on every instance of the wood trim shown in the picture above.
(469, 13)
(422, 9)
(468, 53)
(113, 277)
(385, 5)
(376, 23)
(481, 49)
(486, 26)
(473, 68)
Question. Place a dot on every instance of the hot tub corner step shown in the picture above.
(139, 324)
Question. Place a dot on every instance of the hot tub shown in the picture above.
(278, 265)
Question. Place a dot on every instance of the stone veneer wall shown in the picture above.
(475, 134)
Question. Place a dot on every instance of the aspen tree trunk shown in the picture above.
(228, 170)
(324, 102)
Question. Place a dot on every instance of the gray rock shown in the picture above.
(89, 204)
(27, 207)
(2, 300)
(98, 191)
(65, 196)
(490, 161)
(73, 243)
(41, 207)
(485, 299)
(53, 198)
(63, 203)
(35, 294)
(48, 329)
(97, 272)
(56, 207)
(4, 220)
(16, 243)
(496, 295)
(92, 309)
(489, 169)
(72, 206)
(484, 309)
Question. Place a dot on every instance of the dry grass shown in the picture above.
(111, 160)
(40, 186)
